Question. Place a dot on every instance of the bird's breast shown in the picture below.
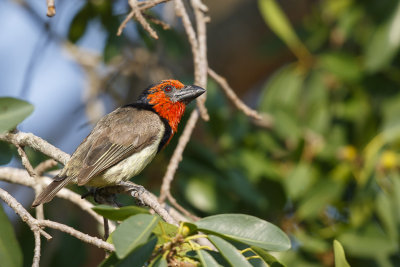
(126, 168)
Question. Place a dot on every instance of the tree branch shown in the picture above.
(137, 14)
(37, 143)
(262, 119)
(177, 155)
(36, 225)
(36, 253)
(198, 49)
(18, 176)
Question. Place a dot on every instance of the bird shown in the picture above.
(124, 142)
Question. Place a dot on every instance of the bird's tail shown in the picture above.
(51, 190)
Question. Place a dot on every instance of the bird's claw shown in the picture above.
(136, 191)
(103, 196)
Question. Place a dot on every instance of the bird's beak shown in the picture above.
(188, 93)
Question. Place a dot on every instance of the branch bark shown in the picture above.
(36, 225)
(37, 143)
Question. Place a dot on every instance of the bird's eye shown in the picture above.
(168, 88)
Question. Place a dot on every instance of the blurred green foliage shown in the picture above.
(329, 167)
(327, 172)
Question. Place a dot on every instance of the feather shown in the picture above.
(51, 190)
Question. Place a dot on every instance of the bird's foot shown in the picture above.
(103, 195)
(135, 191)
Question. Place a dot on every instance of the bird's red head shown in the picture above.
(169, 99)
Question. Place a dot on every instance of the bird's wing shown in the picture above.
(113, 139)
(119, 137)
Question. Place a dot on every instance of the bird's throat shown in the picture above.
(171, 111)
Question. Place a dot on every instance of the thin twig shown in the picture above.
(202, 64)
(267, 119)
(37, 143)
(18, 176)
(137, 14)
(35, 224)
(149, 4)
(174, 203)
(139, 192)
(177, 155)
(106, 228)
(198, 51)
(51, 8)
(44, 166)
(37, 187)
(25, 161)
(75, 233)
(36, 254)
(156, 21)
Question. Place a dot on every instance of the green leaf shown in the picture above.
(268, 258)
(321, 194)
(371, 242)
(12, 112)
(344, 66)
(110, 261)
(279, 23)
(133, 232)
(118, 214)
(10, 251)
(299, 180)
(340, 258)
(311, 243)
(6, 153)
(112, 48)
(280, 98)
(246, 229)
(140, 255)
(160, 261)
(386, 211)
(80, 22)
(384, 43)
(206, 259)
(136, 258)
(162, 227)
(283, 90)
(229, 252)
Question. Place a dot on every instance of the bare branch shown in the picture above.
(177, 155)
(174, 203)
(164, 25)
(18, 176)
(37, 143)
(202, 64)
(137, 14)
(51, 8)
(198, 51)
(149, 4)
(38, 187)
(36, 254)
(45, 165)
(267, 119)
(25, 161)
(139, 192)
(75, 233)
(152, 202)
(36, 225)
